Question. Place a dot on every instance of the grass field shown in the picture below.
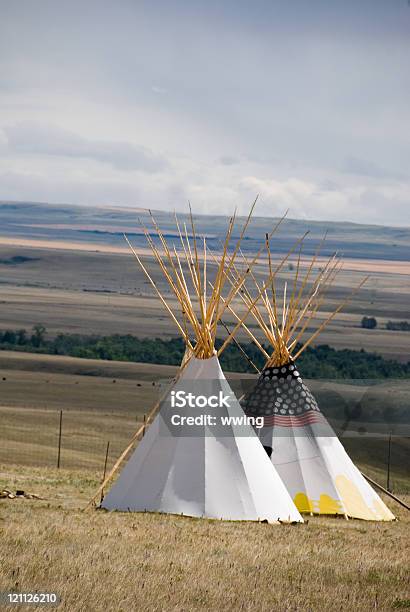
(96, 293)
(67, 268)
(113, 561)
(101, 402)
(105, 401)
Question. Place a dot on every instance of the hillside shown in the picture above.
(105, 226)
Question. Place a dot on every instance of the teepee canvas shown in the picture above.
(216, 469)
(208, 473)
(308, 456)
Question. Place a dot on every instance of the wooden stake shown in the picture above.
(389, 493)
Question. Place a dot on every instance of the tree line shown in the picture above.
(321, 361)
(371, 323)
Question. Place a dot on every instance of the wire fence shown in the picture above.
(63, 438)
(79, 440)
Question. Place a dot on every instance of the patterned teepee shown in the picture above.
(318, 473)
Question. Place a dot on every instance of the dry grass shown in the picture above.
(102, 561)
(101, 402)
(96, 410)
(99, 561)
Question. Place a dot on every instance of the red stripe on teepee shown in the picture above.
(293, 421)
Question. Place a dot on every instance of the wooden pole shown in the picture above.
(60, 431)
(118, 463)
(376, 484)
(242, 350)
(329, 319)
(388, 464)
(105, 469)
(135, 437)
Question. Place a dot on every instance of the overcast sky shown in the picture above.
(305, 102)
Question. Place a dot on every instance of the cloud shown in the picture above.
(228, 160)
(70, 190)
(158, 90)
(364, 167)
(35, 138)
(213, 191)
(289, 104)
(308, 199)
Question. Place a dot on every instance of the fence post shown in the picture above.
(105, 469)
(143, 431)
(388, 464)
(60, 431)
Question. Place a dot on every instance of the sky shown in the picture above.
(305, 103)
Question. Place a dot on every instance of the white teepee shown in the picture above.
(215, 470)
(315, 468)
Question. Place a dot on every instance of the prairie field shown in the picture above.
(103, 293)
(125, 561)
(105, 402)
(67, 268)
(96, 560)
(114, 561)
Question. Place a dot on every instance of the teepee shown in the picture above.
(202, 468)
(315, 468)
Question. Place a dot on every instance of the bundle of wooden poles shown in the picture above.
(285, 316)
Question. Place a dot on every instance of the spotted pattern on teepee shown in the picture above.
(283, 399)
